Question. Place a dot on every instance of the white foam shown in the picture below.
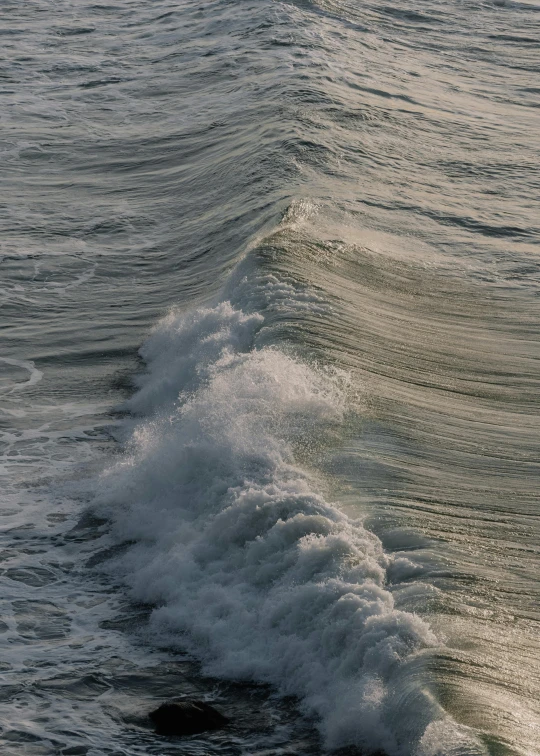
(34, 377)
(250, 568)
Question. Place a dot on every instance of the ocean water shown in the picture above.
(269, 375)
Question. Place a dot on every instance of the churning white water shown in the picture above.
(252, 569)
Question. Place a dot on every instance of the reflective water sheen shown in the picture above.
(311, 497)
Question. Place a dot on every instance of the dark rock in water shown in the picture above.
(186, 718)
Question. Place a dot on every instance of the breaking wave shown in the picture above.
(250, 568)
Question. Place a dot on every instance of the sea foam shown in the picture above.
(249, 567)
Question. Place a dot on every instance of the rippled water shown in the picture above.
(312, 497)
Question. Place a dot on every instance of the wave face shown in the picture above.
(252, 569)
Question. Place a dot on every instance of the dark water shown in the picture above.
(312, 497)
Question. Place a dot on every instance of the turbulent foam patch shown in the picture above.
(250, 568)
